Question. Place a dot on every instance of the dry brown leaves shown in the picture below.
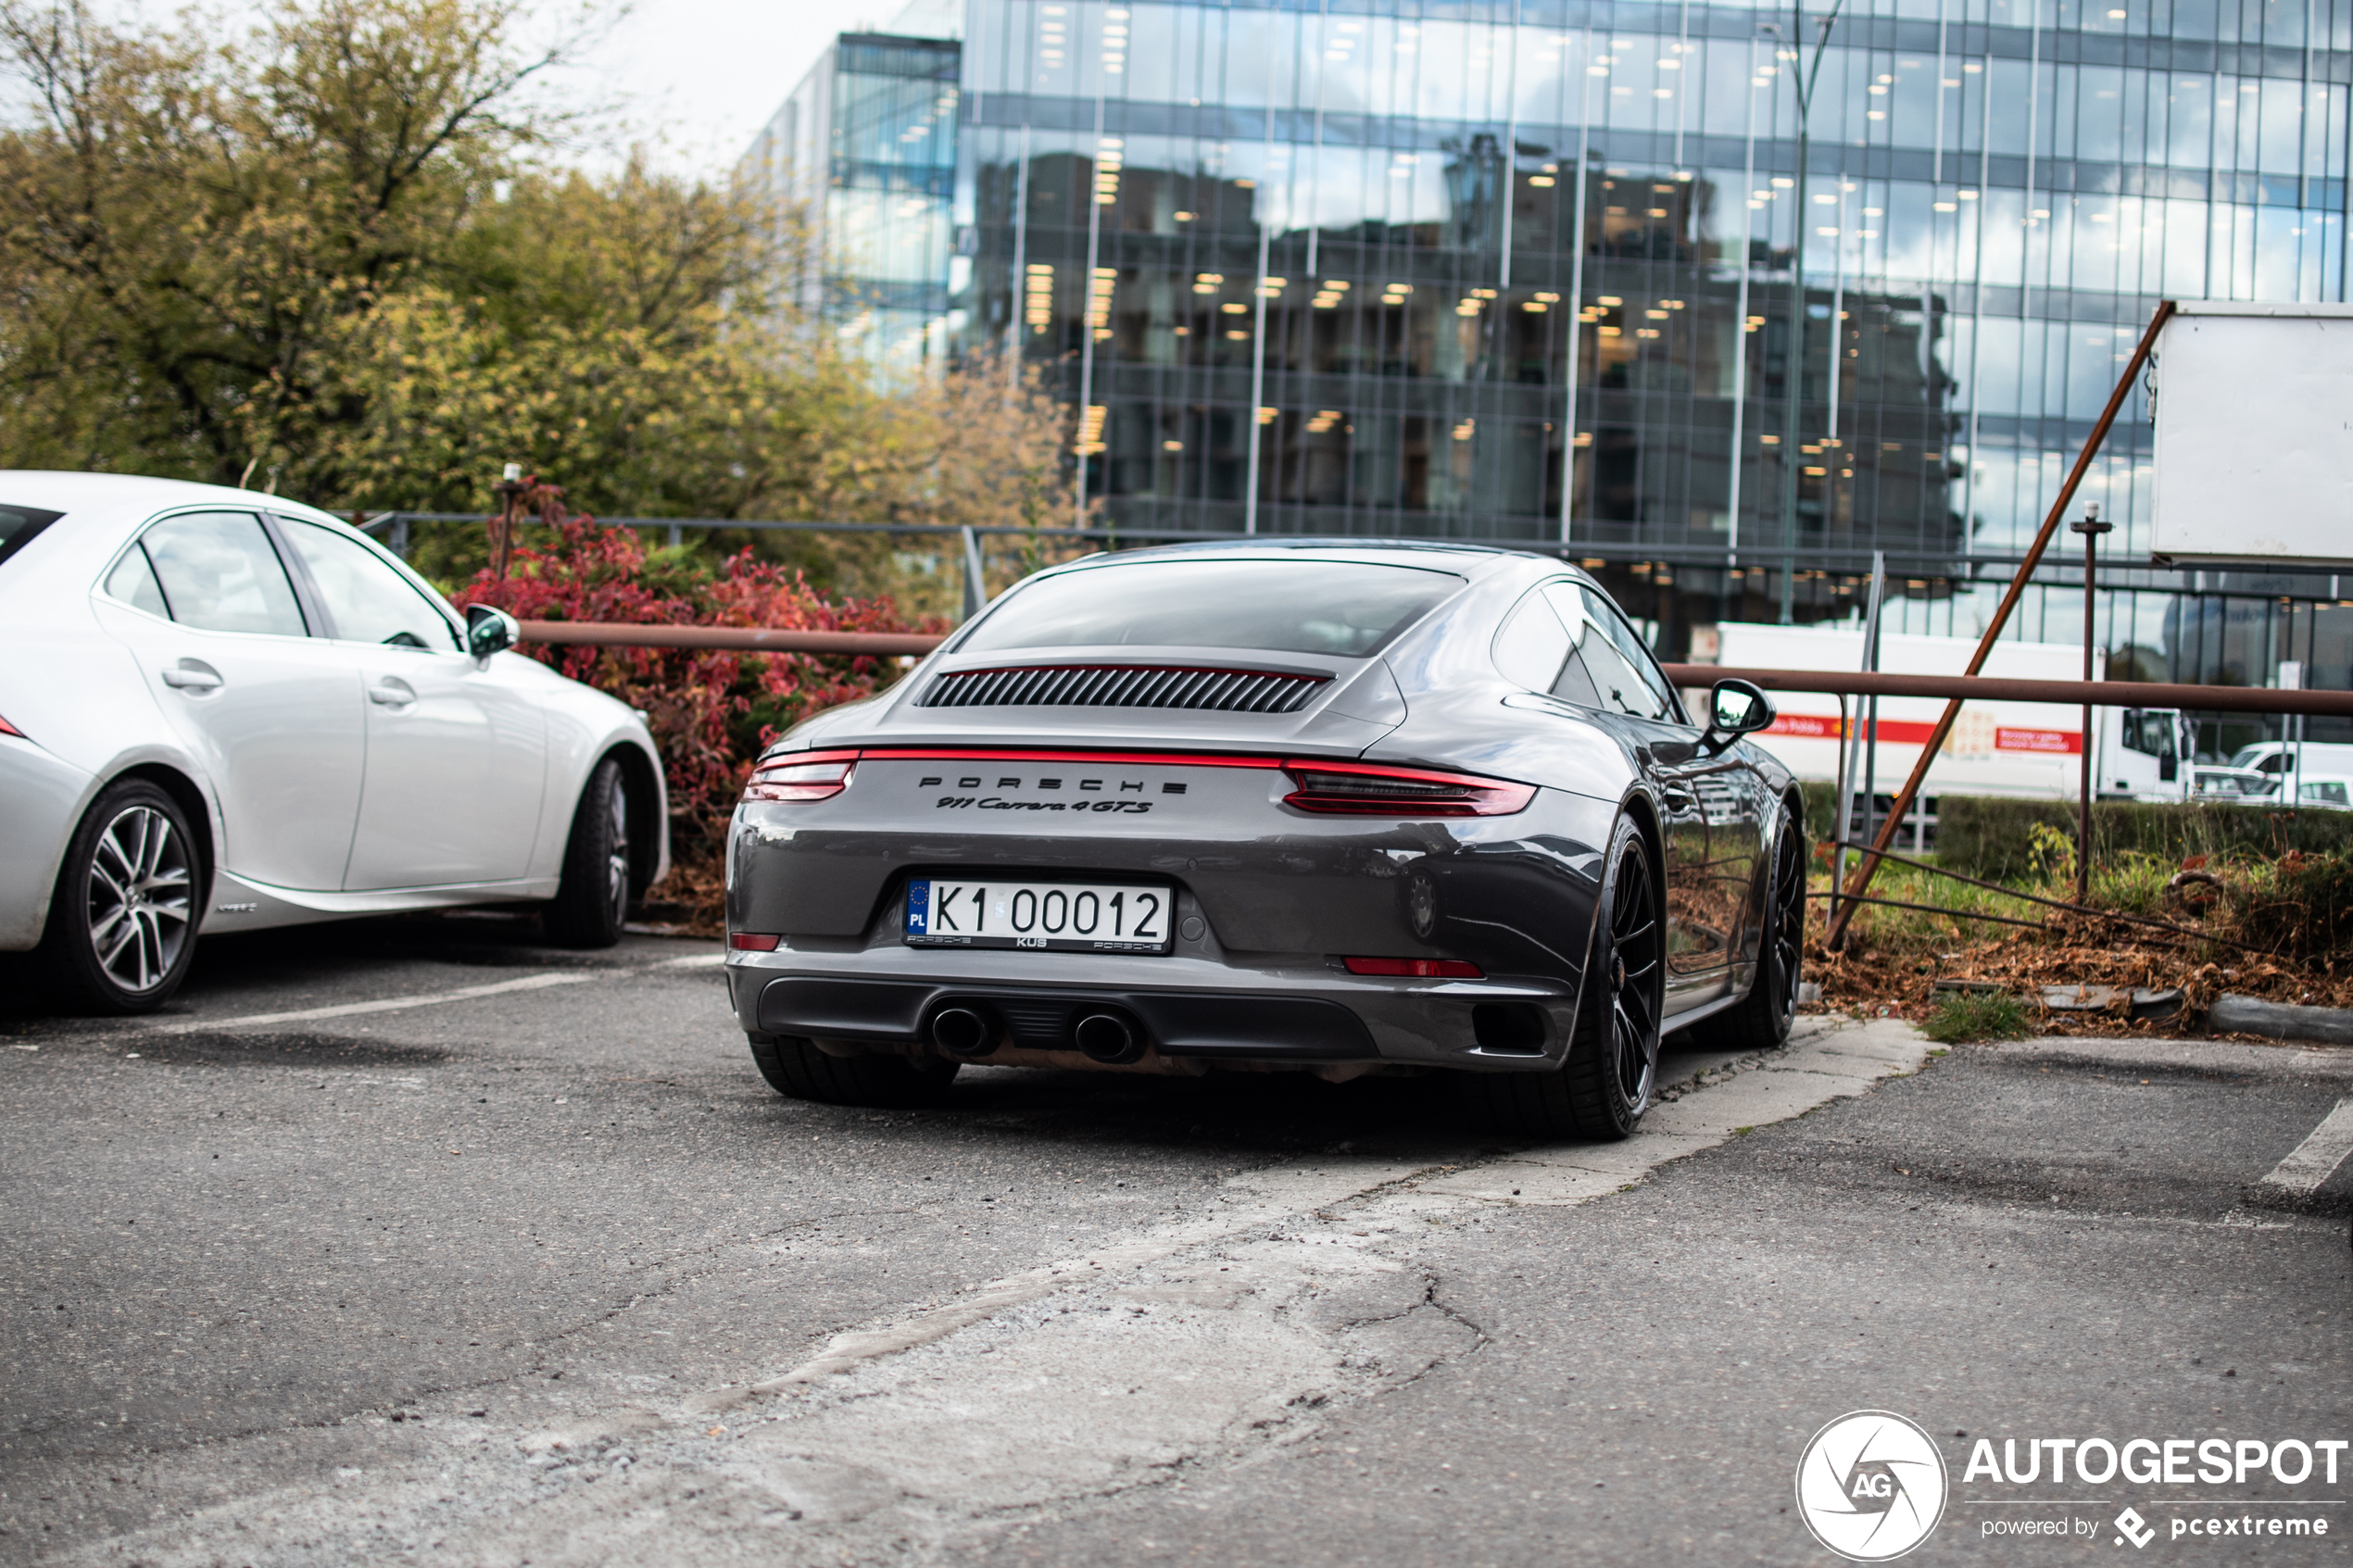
(2072, 951)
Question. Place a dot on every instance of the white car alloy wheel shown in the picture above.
(139, 898)
(599, 880)
(617, 849)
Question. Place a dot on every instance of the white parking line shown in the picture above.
(2316, 1158)
(382, 1004)
(431, 998)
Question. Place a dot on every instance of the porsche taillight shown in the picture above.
(1367, 789)
(8, 729)
(801, 777)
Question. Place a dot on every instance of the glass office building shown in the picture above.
(1437, 252)
(864, 153)
(1523, 270)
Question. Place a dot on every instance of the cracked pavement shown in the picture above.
(537, 1270)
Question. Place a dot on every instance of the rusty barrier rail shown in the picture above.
(747, 639)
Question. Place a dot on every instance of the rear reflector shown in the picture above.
(1368, 789)
(809, 775)
(1415, 969)
(748, 942)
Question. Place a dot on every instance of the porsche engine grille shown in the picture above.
(1123, 686)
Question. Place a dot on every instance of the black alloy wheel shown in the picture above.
(1603, 1088)
(1761, 1020)
(122, 920)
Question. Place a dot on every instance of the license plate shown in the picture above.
(1065, 917)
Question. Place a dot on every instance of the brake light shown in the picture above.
(1368, 789)
(804, 776)
(1417, 968)
(750, 942)
(8, 729)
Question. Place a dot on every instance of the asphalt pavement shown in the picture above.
(413, 1241)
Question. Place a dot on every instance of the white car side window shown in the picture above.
(368, 600)
(219, 572)
(134, 581)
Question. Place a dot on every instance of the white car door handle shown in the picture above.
(193, 679)
(392, 693)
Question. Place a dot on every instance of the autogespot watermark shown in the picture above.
(1871, 1486)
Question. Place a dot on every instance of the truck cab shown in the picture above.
(2145, 754)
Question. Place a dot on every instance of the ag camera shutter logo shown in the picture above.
(1871, 1486)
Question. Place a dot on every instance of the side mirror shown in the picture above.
(490, 631)
(1737, 707)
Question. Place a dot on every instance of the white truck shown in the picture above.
(2013, 748)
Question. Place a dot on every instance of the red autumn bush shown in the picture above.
(711, 710)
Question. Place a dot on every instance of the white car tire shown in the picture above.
(593, 899)
(122, 919)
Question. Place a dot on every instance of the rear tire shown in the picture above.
(592, 901)
(123, 917)
(1761, 1020)
(1604, 1086)
(797, 1070)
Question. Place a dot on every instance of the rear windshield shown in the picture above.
(19, 524)
(1349, 609)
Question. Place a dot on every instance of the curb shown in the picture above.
(2281, 1021)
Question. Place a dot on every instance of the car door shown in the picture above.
(456, 755)
(1711, 802)
(205, 604)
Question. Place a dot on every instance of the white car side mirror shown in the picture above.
(490, 631)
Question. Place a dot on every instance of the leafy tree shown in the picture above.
(333, 257)
(190, 228)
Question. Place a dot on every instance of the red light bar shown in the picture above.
(1367, 789)
(751, 942)
(1417, 968)
(1131, 759)
(801, 776)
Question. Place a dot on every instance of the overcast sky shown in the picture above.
(703, 75)
(696, 78)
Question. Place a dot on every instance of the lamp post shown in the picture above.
(510, 489)
(1793, 377)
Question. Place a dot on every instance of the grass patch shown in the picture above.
(1975, 1015)
(1908, 929)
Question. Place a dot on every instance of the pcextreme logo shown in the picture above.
(1871, 1486)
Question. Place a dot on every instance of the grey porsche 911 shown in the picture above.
(1308, 805)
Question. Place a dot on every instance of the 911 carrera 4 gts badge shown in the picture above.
(999, 803)
(1110, 796)
(1048, 916)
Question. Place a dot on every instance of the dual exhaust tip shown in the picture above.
(968, 1033)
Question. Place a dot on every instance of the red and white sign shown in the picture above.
(2060, 742)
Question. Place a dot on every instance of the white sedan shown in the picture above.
(221, 711)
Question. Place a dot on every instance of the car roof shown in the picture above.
(113, 493)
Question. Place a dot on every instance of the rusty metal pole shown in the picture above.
(2090, 527)
(1870, 866)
